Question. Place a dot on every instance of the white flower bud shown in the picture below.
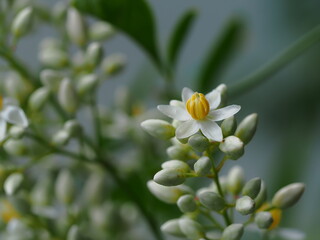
(167, 194)
(51, 43)
(16, 132)
(158, 128)
(212, 201)
(245, 205)
(16, 87)
(235, 180)
(247, 128)
(94, 54)
(172, 228)
(169, 177)
(59, 12)
(93, 189)
(198, 142)
(178, 152)
(15, 147)
(38, 99)
(42, 192)
(233, 147)
(100, 31)
(13, 183)
(67, 96)
(190, 228)
(76, 27)
(72, 127)
(262, 196)
(22, 22)
(53, 58)
(113, 64)
(186, 203)
(64, 187)
(73, 233)
(288, 195)
(228, 126)
(252, 188)
(233, 232)
(177, 165)
(263, 220)
(60, 138)
(51, 79)
(202, 166)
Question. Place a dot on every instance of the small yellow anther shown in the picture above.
(198, 106)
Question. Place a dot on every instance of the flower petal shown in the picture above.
(186, 129)
(186, 94)
(223, 113)
(3, 129)
(214, 99)
(211, 130)
(177, 103)
(15, 115)
(174, 112)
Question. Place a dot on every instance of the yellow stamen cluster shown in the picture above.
(276, 214)
(8, 213)
(198, 106)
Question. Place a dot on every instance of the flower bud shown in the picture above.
(76, 27)
(73, 233)
(252, 188)
(190, 228)
(53, 58)
(263, 220)
(59, 12)
(233, 232)
(247, 128)
(87, 84)
(16, 87)
(222, 88)
(113, 64)
(158, 128)
(94, 54)
(16, 132)
(288, 195)
(64, 187)
(38, 99)
(172, 228)
(177, 165)
(202, 166)
(167, 194)
(186, 203)
(262, 196)
(245, 205)
(100, 31)
(67, 96)
(233, 147)
(94, 187)
(22, 22)
(15, 147)
(198, 142)
(169, 177)
(212, 201)
(50, 79)
(60, 138)
(72, 127)
(178, 152)
(223, 184)
(42, 192)
(228, 126)
(13, 183)
(235, 180)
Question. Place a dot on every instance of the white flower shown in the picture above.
(9, 113)
(199, 112)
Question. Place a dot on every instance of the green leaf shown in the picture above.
(133, 17)
(219, 54)
(179, 35)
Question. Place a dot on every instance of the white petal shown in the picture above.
(214, 99)
(291, 234)
(211, 130)
(174, 112)
(177, 103)
(186, 129)
(9, 102)
(3, 129)
(15, 115)
(186, 94)
(223, 113)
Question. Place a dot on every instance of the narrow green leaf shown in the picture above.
(133, 17)
(219, 54)
(179, 35)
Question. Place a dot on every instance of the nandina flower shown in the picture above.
(199, 112)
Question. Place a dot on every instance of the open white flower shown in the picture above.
(9, 113)
(199, 112)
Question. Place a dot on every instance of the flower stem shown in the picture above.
(271, 67)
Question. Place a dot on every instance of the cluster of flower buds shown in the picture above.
(216, 211)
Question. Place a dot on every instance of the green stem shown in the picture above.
(221, 164)
(212, 219)
(270, 68)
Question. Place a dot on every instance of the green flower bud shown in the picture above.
(262, 196)
(233, 147)
(72, 127)
(59, 12)
(60, 138)
(168, 194)
(16, 87)
(263, 220)
(113, 64)
(94, 54)
(20, 204)
(38, 99)
(212, 201)
(22, 22)
(64, 187)
(172, 228)
(158, 128)
(41, 194)
(93, 189)
(76, 27)
(87, 84)
(202, 167)
(13, 183)
(178, 152)
(186, 203)
(190, 228)
(53, 58)
(198, 142)
(222, 88)
(100, 31)
(67, 96)
(247, 128)
(252, 188)
(229, 126)
(73, 233)
(235, 180)
(15, 147)
(245, 205)
(288, 195)
(233, 232)
(51, 79)
(169, 177)
(16, 132)
(177, 165)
